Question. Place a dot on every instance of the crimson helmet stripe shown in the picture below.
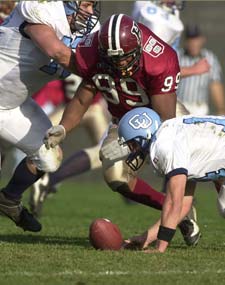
(114, 32)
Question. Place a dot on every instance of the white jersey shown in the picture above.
(190, 145)
(161, 21)
(24, 67)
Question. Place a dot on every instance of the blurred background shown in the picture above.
(208, 15)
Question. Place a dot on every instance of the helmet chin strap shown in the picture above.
(126, 73)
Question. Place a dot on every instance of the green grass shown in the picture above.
(61, 253)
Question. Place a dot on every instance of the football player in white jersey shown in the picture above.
(179, 149)
(35, 46)
(163, 18)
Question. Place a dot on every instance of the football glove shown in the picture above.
(54, 136)
(113, 151)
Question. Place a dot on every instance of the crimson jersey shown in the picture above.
(158, 73)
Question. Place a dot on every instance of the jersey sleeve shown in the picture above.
(40, 12)
(167, 77)
(160, 63)
(86, 65)
(171, 157)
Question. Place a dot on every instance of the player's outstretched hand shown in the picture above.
(54, 136)
(137, 242)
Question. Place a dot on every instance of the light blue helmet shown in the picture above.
(138, 125)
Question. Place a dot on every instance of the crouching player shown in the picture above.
(186, 149)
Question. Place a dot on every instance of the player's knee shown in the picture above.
(47, 160)
(120, 187)
(119, 177)
(93, 155)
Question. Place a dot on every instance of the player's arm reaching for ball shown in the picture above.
(72, 115)
(171, 212)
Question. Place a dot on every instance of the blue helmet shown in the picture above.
(83, 21)
(137, 127)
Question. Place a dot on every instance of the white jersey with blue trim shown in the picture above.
(24, 67)
(190, 145)
(161, 21)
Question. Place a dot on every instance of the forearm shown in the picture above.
(186, 71)
(77, 107)
(172, 211)
(200, 67)
(165, 105)
(72, 115)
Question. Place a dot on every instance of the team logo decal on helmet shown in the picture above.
(142, 121)
(136, 31)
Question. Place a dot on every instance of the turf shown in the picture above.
(61, 253)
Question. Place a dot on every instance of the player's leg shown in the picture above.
(24, 127)
(123, 179)
(95, 122)
(220, 188)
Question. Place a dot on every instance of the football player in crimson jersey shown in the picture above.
(131, 67)
(36, 44)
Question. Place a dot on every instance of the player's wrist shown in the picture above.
(63, 130)
(165, 233)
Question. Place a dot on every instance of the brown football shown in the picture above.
(105, 235)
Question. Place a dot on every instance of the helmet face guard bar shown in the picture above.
(83, 21)
(138, 154)
(131, 67)
(136, 160)
(137, 129)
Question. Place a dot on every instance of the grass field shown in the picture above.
(61, 253)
